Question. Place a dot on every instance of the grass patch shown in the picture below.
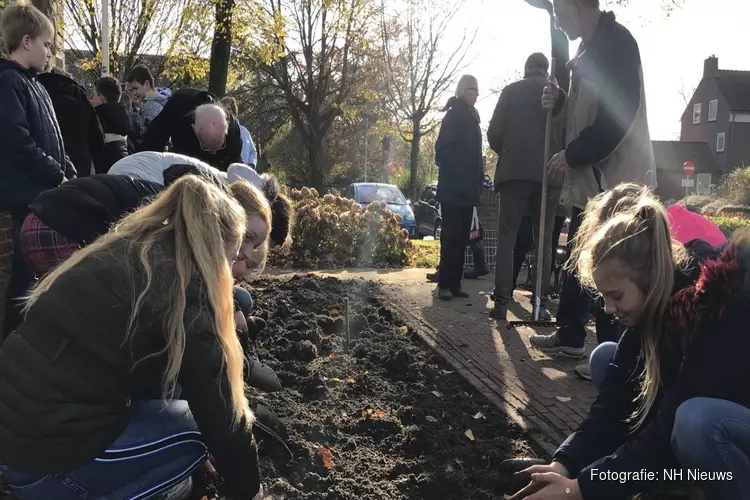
(426, 253)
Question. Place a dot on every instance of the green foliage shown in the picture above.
(729, 225)
(697, 202)
(333, 232)
(736, 187)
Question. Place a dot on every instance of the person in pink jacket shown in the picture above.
(687, 226)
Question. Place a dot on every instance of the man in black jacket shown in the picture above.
(32, 152)
(516, 134)
(199, 127)
(79, 125)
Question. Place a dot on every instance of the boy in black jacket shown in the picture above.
(115, 122)
(32, 154)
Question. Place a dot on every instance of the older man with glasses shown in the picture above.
(198, 126)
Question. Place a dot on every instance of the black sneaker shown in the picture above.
(433, 277)
(444, 294)
(499, 313)
(459, 293)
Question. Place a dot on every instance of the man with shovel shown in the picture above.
(517, 135)
(608, 142)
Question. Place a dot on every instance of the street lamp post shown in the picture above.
(105, 38)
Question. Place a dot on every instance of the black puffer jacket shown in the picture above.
(32, 152)
(79, 124)
(83, 209)
(458, 155)
(69, 373)
(176, 122)
(710, 315)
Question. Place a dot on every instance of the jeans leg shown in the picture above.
(21, 277)
(599, 362)
(713, 435)
(160, 447)
(575, 302)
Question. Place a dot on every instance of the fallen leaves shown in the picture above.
(563, 399)
(372, 413)
(350, 380)
(469, 434)
(403, 330)
(327, 457)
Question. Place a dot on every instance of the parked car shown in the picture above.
(427, 213)
(365, 193)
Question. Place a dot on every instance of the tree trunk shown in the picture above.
(221, 48)
(416, 141)
(317, 179)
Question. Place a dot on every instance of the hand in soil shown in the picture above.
(555, 468)
(555, 487)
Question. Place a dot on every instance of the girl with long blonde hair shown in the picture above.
(670, 394)
(127, 371)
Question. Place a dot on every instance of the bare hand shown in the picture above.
(555, 487)
(549, 96)
(558, 166)
(534, 486)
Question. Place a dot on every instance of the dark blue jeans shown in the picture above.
(575, 304)
(160, 447)
(713, 435)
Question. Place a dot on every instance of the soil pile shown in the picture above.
(388, 420)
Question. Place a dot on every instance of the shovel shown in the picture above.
(540, 246)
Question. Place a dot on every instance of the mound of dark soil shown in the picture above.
(388, 420)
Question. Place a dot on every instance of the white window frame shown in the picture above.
(697, 107)
(723, 137)
(713, 109)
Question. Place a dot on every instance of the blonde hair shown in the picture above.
(629, 227)
(195, 223)
(19, 20)
(230, 103)
(254, 202)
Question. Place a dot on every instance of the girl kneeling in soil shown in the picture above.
(113, 337)
(670, 399)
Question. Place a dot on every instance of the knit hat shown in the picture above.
(464, 83)
(237, 171)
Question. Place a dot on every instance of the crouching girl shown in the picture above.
(671, 398)
(127, 372)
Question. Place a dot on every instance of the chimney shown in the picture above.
(710, 67)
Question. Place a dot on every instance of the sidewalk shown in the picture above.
(538, 391)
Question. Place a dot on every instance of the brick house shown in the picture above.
(670, 157)
(719, 114)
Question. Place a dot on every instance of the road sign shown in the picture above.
(688, 183)
(688, 167)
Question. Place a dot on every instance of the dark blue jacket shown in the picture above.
(32, 154)
(459, 157)
(702, 355)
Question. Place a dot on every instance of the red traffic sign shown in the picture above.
(688, 167)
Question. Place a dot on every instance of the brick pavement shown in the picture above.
(538, 391)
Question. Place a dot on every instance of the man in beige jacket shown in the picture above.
(608, 143)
